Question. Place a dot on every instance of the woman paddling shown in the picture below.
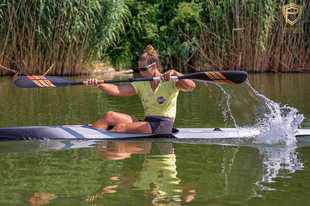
(159, 99)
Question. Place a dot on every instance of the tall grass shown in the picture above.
(36, 34)
(249, 35)
(189, 35)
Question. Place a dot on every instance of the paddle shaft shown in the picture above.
(221, 77)
(132, 80)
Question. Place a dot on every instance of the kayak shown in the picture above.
(86, 132)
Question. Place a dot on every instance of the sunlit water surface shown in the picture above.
(271, 169)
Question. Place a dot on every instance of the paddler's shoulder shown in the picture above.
(138, 83)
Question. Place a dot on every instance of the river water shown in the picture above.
(272, 169)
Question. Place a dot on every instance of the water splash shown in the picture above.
(279, 124)
(276, 124)
(227, 111)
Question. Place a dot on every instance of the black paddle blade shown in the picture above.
(221, 77)
(44, 81)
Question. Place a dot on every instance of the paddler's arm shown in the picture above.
(185, 85)
(111, 89)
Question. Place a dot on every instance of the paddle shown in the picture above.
(222, 77)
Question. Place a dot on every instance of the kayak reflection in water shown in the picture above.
(157, 179)
(158, 98)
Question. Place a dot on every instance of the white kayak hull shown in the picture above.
(84, 132)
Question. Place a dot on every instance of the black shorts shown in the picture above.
(160, 125)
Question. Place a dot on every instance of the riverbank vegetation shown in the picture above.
(65, 37)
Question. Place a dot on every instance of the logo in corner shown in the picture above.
(161, 100)
(297, 10)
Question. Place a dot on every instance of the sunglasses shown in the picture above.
(146, 67)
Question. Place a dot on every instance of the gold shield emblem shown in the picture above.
(297, 11)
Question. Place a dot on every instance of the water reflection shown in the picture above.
(41, 198)
(278, 162)
(157, 180)
(152, 173)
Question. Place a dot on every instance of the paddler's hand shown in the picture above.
(93, 82)
(167, 75)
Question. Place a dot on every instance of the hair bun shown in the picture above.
(149, 49)
(150, 56)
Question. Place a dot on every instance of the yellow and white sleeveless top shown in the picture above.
(161, 102)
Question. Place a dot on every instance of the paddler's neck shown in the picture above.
(154, 84)
(156, 73)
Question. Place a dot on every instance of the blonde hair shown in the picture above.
(150, 56)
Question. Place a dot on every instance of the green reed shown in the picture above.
(68, 34)
(250, 35)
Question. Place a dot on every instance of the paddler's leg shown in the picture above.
(111, 118)
(135, 127)
(118, 120)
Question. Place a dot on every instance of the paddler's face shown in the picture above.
(146, 69)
